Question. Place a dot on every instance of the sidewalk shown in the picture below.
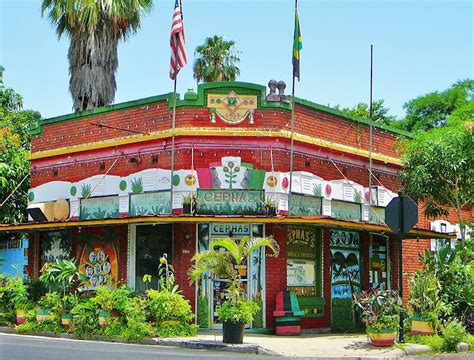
(306, 345)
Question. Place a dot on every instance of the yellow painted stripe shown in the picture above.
(220, 219)
(218, 132)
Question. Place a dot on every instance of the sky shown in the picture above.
(419, 46)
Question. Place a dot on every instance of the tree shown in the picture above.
(439, 170)
(433, 109)
(215, 60)
(94, 28)
(14, 149)
(380, 113)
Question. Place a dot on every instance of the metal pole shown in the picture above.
(370, 123)
(292, 130)
(401, 338)
(172, 141)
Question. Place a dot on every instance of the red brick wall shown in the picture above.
(156, 117)
(184, 247)
(275, 270)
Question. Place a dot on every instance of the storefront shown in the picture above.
(122, 205)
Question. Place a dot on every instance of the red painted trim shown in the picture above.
(288, 330)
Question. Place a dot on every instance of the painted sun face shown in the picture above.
(190, 179)
(272, 181)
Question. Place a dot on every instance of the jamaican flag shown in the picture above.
(297, 46)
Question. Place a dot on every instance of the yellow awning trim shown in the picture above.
(218, 132)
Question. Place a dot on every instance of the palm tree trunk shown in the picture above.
(92, 65)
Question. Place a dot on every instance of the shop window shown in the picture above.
(152, 242)
(304, 268)
(346, 210)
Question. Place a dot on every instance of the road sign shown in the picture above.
(401, 214)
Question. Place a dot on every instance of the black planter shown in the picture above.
(186, 208)
(233, 333)
(270, 211)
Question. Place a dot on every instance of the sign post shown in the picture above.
(401, 214)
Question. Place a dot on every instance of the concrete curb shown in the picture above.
(180, 342)
(212, 345)
(416, 349)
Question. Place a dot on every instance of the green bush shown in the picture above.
(31, 327)
(174, 330)
(112, 299)
(164, 306)
(436, 342)
(453, 333)
(203, 312)
(241, 311)
(425, 298)
(85, 321)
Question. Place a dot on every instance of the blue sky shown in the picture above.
(420, 46)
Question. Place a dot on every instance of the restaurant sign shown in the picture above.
(152, 203)
(230, 201)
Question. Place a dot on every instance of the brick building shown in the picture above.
(101, 193)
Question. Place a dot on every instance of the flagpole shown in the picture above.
(173, 124)
(292, 129)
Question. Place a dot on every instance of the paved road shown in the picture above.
(19, 347)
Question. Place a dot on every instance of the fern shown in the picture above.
(85, 190)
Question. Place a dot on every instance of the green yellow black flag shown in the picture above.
(297, 46)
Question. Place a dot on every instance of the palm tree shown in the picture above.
(95, 28)
(223, 257)
(215, 60)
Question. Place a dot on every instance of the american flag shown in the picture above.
(177, 42)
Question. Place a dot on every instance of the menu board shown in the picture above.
(300, 273)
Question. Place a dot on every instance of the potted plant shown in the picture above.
(380, 311)
(112, 302)
(19, 297)
(270, 206)
(425, 302)
(47, 304)
(186, 204)
(64, 307)
(190, 202)
(223, 259)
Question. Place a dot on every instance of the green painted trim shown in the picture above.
(342, 114)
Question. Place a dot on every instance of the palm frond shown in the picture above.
(256, 243)
(231, 246)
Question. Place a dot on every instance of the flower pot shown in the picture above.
(103, 316)
(186, 208)
(66, 319)
(233, 332)
(20, 316)
(421, 327)
(43, 315)
(382, 338)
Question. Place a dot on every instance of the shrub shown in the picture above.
(85, 321)
(453, 333)
(241, 311)
(112, 299)
(380, 309)
(35, 289)
(173, 330)
(203, 312)
(436, 342)
(425, 297)
(164, 306)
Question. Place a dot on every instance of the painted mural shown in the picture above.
(56, 245)
(345, 264)
(13, 256)
(100, 266)
(110, 196)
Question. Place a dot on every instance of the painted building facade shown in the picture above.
(102, 179)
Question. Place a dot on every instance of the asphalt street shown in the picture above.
(19, 347)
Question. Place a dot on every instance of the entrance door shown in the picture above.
(345, 278)
(211, 290)
(151, 243)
